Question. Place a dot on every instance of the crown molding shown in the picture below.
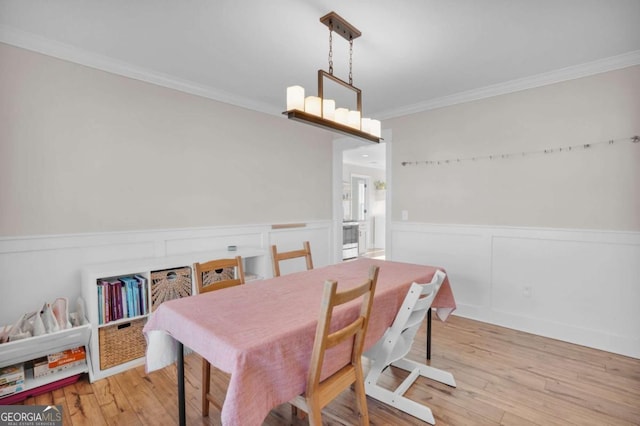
(564, 74)
(74, 54)
(33, 42)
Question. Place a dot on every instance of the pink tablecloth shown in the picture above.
(262, 333)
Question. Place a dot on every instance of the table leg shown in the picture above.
(429, 334)
(181, 399)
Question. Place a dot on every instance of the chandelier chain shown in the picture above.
(331, 49)
(351, 61)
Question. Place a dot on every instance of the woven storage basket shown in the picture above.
(169, 284)
(122, 342)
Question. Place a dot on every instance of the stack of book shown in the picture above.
(124, 297)
(11, 379)
(59, 361)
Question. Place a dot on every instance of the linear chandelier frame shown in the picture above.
(340, 26)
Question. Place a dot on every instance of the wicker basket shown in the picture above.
(169, 284)
(122, 342)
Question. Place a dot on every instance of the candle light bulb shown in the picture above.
(376, 129)
(342, 116)
(312, 105)
(366, 125)
(353, 119)
(295, 98)
(329, 109)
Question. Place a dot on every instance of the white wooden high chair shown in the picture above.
(396, 343)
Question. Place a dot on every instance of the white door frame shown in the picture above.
(343, 144)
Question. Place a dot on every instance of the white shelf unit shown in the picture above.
(254, 260)
(35, 347)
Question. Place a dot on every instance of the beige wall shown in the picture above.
(596, 188)
(83, 150)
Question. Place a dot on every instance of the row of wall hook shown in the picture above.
(633, 139)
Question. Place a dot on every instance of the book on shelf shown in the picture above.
(124, 301)
(68, 356)
(134, 297)
(104, 301)
(108, 312)
(128, 285)
(11, 379)
(142, 282)
(11, 388)
(59, 361)
(124, 297)
(116, 305)
(100, 304)
(11, 373)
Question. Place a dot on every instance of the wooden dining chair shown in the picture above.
(277, 257)
(319, 393)
(395, 345)
(210, 276)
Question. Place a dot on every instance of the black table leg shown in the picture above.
(429, 334)
(181, 399)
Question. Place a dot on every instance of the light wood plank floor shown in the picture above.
(504, 377)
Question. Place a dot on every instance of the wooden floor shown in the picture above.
(504, 377)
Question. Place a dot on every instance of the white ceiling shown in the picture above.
(413, 54)
(371, 155)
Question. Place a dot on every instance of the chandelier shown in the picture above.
(321, 112)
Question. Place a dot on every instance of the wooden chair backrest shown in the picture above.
(218, 274)
(329, 388)
(285, 255)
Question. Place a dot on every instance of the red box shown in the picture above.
(66, 357)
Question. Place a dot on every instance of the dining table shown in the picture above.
(262, 333)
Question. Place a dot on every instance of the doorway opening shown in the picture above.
(364, 201)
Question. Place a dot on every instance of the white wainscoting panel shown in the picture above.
(31, 278)
(579, 286)
(463, 255)
(213, 241)
(35, 270)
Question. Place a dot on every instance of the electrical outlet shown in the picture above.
(405, 215)
(526, 292)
